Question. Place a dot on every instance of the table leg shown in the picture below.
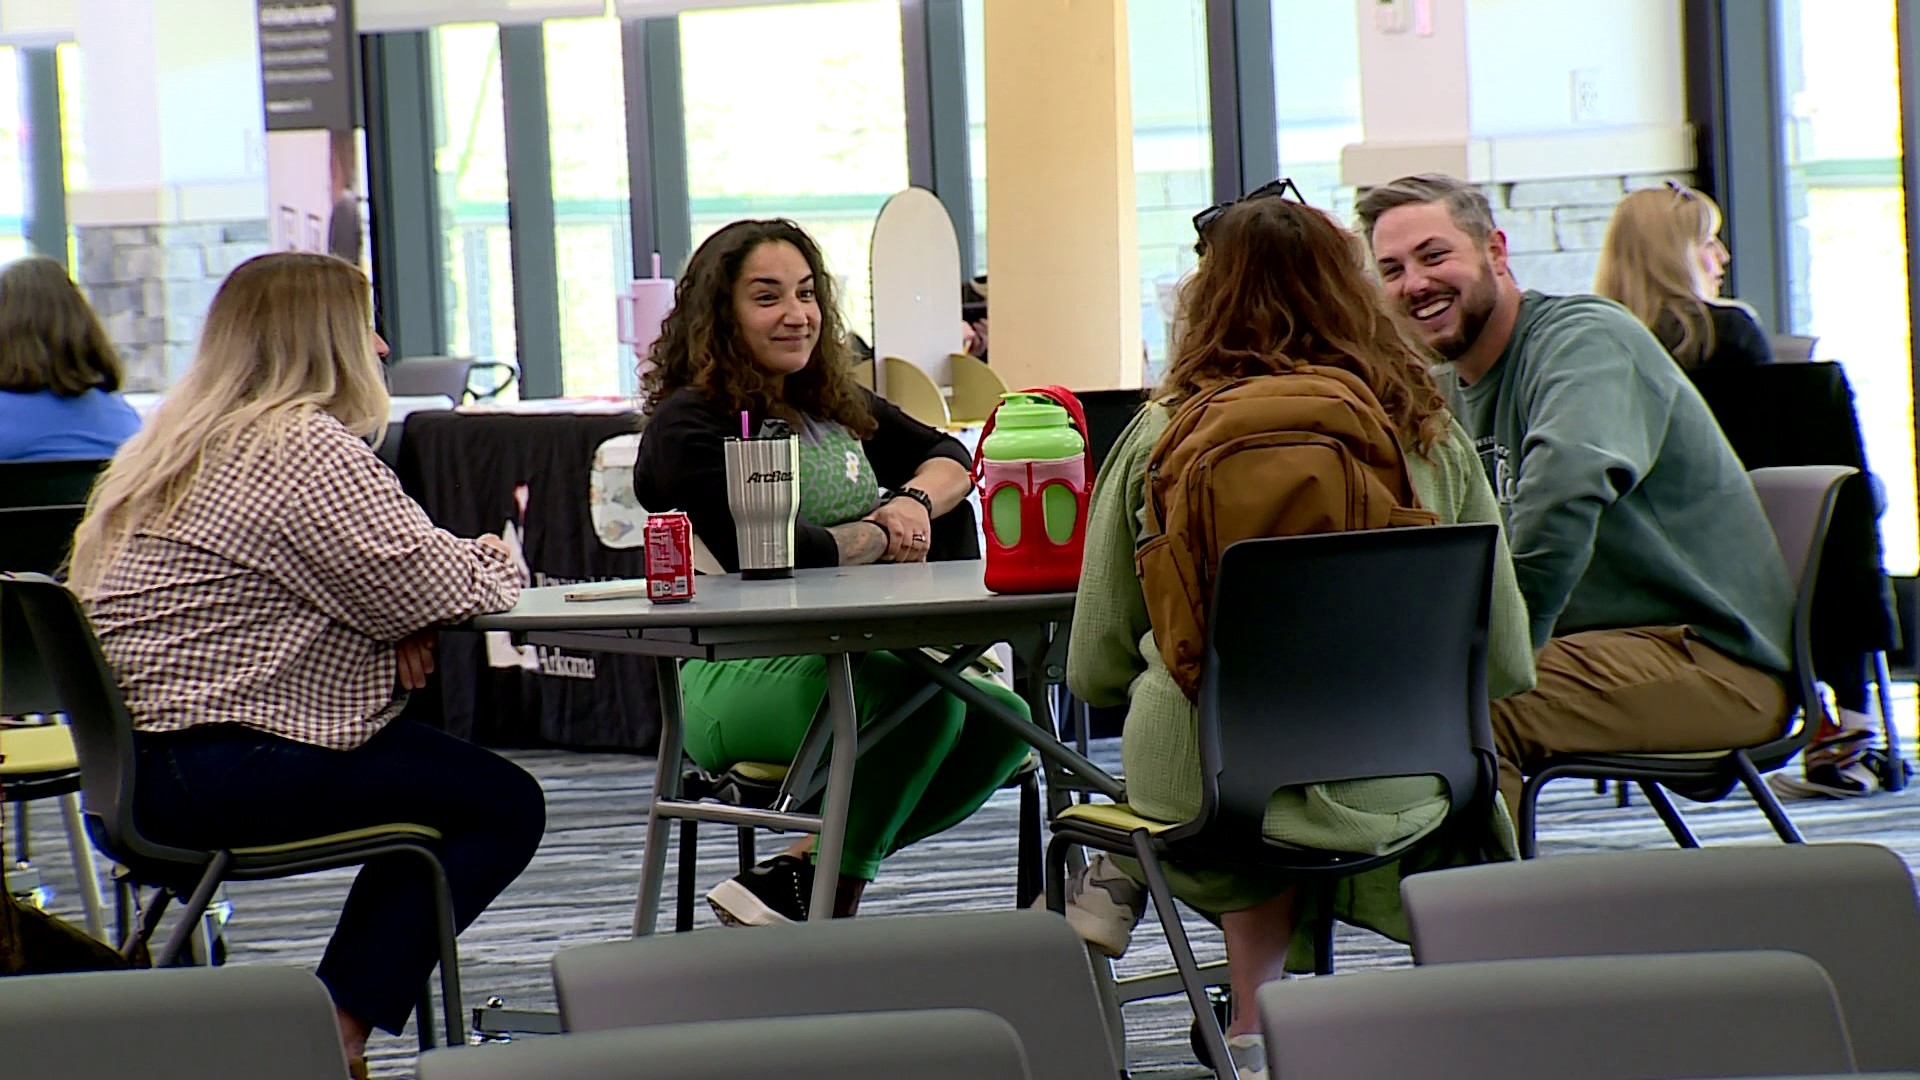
(666, 785)
(833, 814)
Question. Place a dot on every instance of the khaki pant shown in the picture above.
(1654, 689)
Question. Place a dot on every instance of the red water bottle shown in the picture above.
(1035, 475)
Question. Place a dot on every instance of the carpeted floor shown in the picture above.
(580, 887)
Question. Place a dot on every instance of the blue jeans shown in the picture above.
(224, 786)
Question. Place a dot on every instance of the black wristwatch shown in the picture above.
(915, 494)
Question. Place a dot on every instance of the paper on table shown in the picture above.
(608, 590)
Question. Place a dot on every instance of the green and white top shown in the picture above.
(837, 483)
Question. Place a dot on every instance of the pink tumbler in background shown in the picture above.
(639, 312)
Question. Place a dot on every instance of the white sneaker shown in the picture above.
(1103, 905)
(1249, 1053)
(1843, 767)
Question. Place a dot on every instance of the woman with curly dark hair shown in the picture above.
(754, 328)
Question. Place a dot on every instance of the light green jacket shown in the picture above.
(1112, 659)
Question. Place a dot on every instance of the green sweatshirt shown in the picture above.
(1625, 505)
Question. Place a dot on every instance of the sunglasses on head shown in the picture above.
(1204, 220)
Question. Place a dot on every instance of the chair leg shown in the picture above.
(689, 861)
(1323, 933)
(450, 999)
(749, 850)
(1896, 777)
(1756, 786)
(1622, 795)
(1030, 876)
(1190, 977)
(1524, 823)
(423, 1016)
(1669, 815)
(149, 920)
(196, 907)
(84, 870)
(1057, 874)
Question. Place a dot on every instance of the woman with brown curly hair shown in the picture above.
(1281, 285)
(754, 328)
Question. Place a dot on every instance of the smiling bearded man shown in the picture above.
(1659, 601)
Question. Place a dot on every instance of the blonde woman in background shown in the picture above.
(265, 593)
(1663, 260)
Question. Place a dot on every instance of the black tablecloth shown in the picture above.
(464, 470)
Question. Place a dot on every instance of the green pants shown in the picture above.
(937, 767)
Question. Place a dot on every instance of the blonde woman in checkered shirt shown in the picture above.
(265, 592)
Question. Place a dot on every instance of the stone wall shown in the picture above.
(1554, 227)
(151, 285)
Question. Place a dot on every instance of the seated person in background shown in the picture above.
(973, 314)
(265, 593)
(1663, 261)
(1659, 600)
(755, 328)
(59, 375)
(1281, 284)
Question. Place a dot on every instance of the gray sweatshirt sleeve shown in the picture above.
(1593, 427)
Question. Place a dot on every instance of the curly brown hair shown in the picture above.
(1283, 285)
(701, 346)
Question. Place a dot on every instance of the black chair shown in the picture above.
(1803, 414)
(1799, 503)
(1344, 656)
(89, 695)
(41, 503)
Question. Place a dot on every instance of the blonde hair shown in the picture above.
(1647, 264)
(288, 335)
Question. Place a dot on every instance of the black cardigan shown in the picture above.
(1737, 340)
(681, 467)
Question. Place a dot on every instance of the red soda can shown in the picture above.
(669, 546)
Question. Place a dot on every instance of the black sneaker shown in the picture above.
(770, 894)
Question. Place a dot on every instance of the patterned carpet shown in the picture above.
(580, 886)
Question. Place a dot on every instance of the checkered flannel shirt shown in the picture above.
(274, 596)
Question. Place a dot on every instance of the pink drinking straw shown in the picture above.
(743, 426)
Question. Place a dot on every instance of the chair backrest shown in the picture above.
(38, 538)
(1851, 907)
(65, 651)
(976, 389)
(916, 393)
(47, 483)
(1029, 968)
(177, 1024)
(937, 1044)
(1345, 656)
(1590, 1018)
(446, 376)
(1791, 348)
(1798, 500)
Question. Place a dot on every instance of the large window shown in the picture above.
(1847, 231)
(1172, 152)
(798, 111)
(470, 167)
(587, 131)
(1316, 93)
(13, 177)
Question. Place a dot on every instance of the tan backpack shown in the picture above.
(1310, 451)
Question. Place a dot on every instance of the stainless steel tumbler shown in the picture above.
(763, 491)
